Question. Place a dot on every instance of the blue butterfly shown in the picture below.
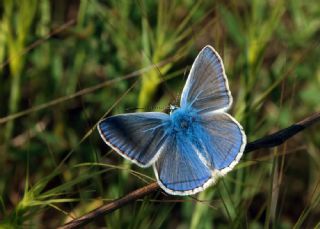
(194, 145)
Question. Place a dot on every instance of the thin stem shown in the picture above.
(110, 207)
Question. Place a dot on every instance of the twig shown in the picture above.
(110, 207)
(84, 91)
(268, 141)
(281, 136)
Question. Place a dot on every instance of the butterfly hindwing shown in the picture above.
(137, 137)
(179, 170)
(207, 86)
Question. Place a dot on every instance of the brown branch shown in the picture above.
(110, 207)
(281, 136)
(268, 141)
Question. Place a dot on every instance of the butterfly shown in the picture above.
(195, 144)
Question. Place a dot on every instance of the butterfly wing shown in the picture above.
(220, 141)
(179, 170)
(207, 86)
(137, 136)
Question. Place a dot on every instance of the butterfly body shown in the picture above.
(182, 121)
(193, 145)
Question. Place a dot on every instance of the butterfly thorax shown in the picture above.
(182, 120)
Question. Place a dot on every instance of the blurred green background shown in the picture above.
(64, 65)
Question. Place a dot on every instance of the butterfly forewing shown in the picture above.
(138, 136)
(220, 141)
(207, 87)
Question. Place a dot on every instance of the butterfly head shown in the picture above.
(173, 108)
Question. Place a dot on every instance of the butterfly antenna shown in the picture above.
(167, 88)
(185, 75)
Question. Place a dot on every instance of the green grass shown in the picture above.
(59, 78)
